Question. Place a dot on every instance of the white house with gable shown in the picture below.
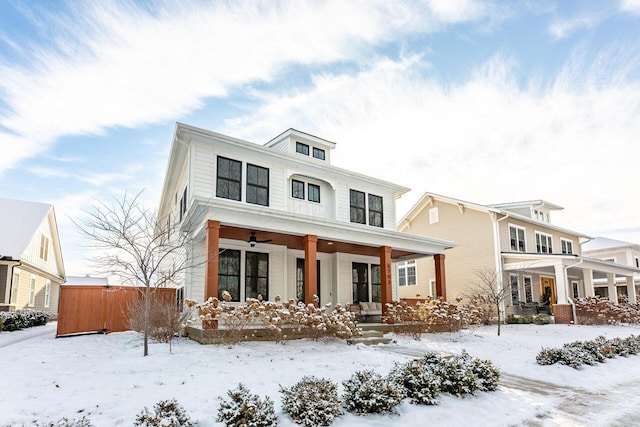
(280, 219)
(618, 252)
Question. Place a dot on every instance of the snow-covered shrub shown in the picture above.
(463, 374)
(432, 315)
(578, 353)
(601, 311)
(542, 319)
(367, 392)
(67, 422)
(312, 401)
(487, 374)
(166, 413)
(548, 356)
(244, 409)
(478, 311)
(21, 319)
(419, 383)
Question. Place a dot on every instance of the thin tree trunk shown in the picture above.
(498, 307)
(147, 311)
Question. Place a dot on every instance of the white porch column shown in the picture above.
(8, 285)
(561, 284)
(611, 286)
(587, 276)
(631, 290)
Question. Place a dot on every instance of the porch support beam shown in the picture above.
(611, 287)
(8, 283)
(561, 284)
(587, 277)
(441, 282)
(631, 290)
(310, 268)
(211, 264)
(386, 294)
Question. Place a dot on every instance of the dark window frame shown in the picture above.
(376, 216)
(252, 276)
(319, 153)
(300, 185)
(360, 289)
(228, 180)
(226, 259)
(256, 190)
(376, 283)
(357, 211)
(302, 148)
(311, 195)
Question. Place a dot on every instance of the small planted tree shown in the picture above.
(489, 290)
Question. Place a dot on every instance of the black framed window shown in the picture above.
(376, 288)
(375, 211)
(314, 193)
(302, 148)
(515, 289)
(357, 207)
(229, 273)
(229, 179)
(300, 279)
(360, 280)
(256, 280)
(318, 153)
(183, 204)
(297, 189)
(257, 185)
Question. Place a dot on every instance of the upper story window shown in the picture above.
(318, 153)
(375, 211)
(229, 179)
(314, 193)
(567, 246)
(407, 273)
(544, 243)
(297, 189)
(44, 247)
(357, 207)
(516, 238)
(183, 204)
(637, 262)
(302, 148)
(257, 185)
(434, 215)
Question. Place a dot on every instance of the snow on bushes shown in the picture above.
(537, 319)
(367, 392)
(244, 409)
(463, 374)
(312, 401)
(433, 315)
(66, 422)
(420, 384)
(21, 319)
(166, 413)
(601, 311)
(578, 353)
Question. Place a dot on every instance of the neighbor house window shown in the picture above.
(314, 193)
(567, 246)
(256, 275)
(574, 286)
(229, 273)
(257, 185)
(376, 288)
(183, 204)
(15, 287)
(407, 273)
(318, 153)
(297, 189)
(433, 215)
(528, 294)
(302, 148)
(229, 179)
(515, 290)
(544, 243)
(432, 288)
(44, 247)
(47, 293)
(516, 238)
(637, 262)
(375, 211)
(32, 291)
(357, 207)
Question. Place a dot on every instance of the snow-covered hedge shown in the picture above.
(578, 353)
(538, 319)
(463, 374)
(312, 401)
(432, 315)
(244, 409)
(21, 319)
(419, 382)
(166, 413)
(367, 392)
(601, 311)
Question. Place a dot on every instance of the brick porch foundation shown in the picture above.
(562, 313)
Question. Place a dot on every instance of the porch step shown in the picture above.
(370, 337)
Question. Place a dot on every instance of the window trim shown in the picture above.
(316, 187)
(302, 148)
(575, 289)
(44, 247)
(434, 215)
(404, 267)
(228, 179)
(32, 291)
(357, 209)
(257, 185)
(226, 252)
(528, 296)
(549, 237)
(374, 212)
(565, 243)
(295, 182)
(15, 287)
(518, 228)
(47, 294)
(517, 299)
(432, 288)
(258, 255)
(319, 153)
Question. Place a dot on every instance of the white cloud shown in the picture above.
(488, 140)
(563, 28)
(632, 6)
(116, 64)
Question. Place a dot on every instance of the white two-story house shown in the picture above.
(279, 220)
(618, 252)
(537, 260)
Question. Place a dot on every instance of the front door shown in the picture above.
(548, 291)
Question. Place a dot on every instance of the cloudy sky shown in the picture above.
(480, 100)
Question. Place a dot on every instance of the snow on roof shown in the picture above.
(86, 280)
(534, 203)
(19, 221)
(599, 243)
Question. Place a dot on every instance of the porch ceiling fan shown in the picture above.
(253, 240)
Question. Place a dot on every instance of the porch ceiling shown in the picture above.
(294, 241)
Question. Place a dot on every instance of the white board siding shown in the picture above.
(530, 236)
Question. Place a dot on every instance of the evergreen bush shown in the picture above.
(367, 392)
(419, 383)
(166, 413)
(244, 409)
(21, 319)
(579, 353)
(312, 401)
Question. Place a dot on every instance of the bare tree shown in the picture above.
(489, 289)
(131, 243)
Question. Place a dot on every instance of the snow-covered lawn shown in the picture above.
(106, 379)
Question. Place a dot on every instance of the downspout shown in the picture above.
(497, 251)
(573, 306)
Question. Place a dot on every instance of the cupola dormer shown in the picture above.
(303, 144)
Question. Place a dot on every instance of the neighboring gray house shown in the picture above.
(615, 251)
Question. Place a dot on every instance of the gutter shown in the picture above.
(573, 305)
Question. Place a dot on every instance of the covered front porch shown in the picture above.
(558, 279)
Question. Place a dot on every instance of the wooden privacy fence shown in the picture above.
(86, 309)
